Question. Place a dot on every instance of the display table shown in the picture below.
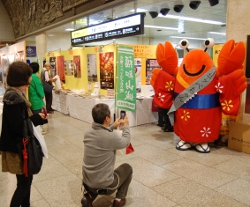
(60, 102)
(80, 108)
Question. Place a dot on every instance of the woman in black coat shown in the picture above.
(15, 110)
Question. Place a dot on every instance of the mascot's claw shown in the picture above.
(231, 56)
(183, 146)
(202, 148)
(154, 76)
(240, 81)
(167, 58)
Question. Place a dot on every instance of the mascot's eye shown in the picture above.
(209, 43)
(184, 44)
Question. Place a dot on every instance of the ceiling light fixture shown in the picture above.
(160, 27)
(178, 8)
(164, 11)
(194, 4)
(189, 38)
(213, 2)
(153, 14)
(192, 19)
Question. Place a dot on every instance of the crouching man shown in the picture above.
(100, 145)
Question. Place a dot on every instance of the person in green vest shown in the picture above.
(36, 94)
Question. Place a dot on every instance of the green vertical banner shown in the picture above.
(126, 84)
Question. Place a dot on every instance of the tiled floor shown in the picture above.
(163, 176)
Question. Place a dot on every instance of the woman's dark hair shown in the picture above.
(18, 74)
(35, 67)
(99, 112)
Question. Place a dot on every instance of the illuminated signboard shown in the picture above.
(118, 28)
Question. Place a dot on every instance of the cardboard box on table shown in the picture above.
(239, 137)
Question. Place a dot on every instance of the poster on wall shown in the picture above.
(92, 67)
(107, 70)
(68, 67)
(60, 68)
(19, 56)
(137, 63)
(77, 66)
(126, 86)
(150, 65)
(31, 51)
(52, 61)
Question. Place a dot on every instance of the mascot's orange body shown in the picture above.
(198, 119)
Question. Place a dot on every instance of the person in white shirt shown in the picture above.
(47, 80)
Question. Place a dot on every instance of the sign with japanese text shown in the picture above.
(113, 29)
(126, 84)
(147, 51)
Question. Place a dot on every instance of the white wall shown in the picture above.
(59, 41)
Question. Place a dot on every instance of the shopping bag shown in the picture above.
(38, 134)
(129, 149)
(32, 156)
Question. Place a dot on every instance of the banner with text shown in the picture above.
(126, 85)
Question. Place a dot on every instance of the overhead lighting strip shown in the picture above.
(188, 38)
(160, 27)
(192, 19)
(218, 33)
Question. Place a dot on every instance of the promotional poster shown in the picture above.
(107, 70)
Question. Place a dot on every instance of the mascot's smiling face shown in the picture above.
(194, 65)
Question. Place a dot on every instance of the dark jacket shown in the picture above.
(13, 118)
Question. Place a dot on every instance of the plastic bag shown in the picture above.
(38, 134)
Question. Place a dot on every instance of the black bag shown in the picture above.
(35, 156)
(47, 87)
(32, 150)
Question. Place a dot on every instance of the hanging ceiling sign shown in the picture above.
(114, 29)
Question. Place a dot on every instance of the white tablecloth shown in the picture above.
(60, 102)
(80, 108)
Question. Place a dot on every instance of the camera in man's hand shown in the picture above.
(122, 114)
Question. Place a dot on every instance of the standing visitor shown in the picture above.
(36, 94)
(47, 84)
(14, 129)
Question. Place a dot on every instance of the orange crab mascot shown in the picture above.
(197, 91)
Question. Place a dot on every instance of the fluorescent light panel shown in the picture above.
(219, 33)
(160, 27)
(192, 19)
(138, 10)
(69, 29)
(188, 38)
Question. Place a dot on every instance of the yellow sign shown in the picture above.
(216, 52)
(147, 51)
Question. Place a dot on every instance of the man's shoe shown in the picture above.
(120, 203)
(87, 200)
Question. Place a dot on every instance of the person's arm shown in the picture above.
(120, 142)
(47, 79)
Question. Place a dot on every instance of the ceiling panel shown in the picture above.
(189, 28)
